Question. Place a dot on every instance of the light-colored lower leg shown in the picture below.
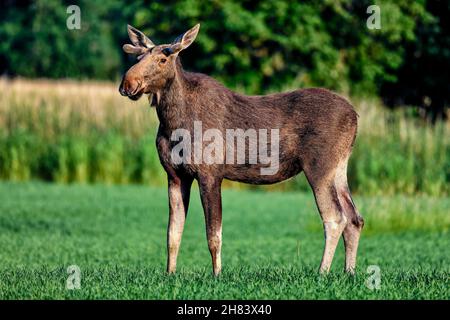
(334, 220)
(177, 217)
(355, 223)
(351, 240)
(173, 246)
(333, 231)
(215, 247)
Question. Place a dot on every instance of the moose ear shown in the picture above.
(139, 39)
(128, 48)
(185, 40)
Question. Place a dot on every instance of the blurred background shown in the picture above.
(63, 120)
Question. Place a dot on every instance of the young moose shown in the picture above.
(317, 129)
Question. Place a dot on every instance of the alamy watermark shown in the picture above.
(74, 279)
(374, 20)
(211, 147)
(373, 282)
(73, 21)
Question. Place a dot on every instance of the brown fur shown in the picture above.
(317, 130)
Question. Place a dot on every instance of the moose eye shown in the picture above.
(167, 51)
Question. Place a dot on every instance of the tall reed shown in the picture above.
(85, 132)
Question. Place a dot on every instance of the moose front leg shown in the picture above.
(210, 192)
(179, 192)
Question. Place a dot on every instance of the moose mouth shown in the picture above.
(132, 95)
(136, 96)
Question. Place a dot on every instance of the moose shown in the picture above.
(317, 131)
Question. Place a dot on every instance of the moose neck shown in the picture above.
(171, 107)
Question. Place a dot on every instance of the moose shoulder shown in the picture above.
(310, 130)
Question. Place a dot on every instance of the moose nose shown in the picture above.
(122, 90)
(129, 86)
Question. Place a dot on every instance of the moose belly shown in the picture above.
(259, 174)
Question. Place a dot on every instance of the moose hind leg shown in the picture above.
(352, 231)
(355, 222)
(334, 221)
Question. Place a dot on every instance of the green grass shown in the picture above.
(272, 246)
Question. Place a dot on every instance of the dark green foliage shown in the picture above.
(423, 78)
(252, 46)
(37, 43)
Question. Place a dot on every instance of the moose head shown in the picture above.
(156, 63)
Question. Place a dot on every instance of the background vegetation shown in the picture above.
(86, 132)
(253, 46)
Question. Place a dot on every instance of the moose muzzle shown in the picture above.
(131, 87)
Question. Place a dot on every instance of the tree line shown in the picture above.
(252, 46)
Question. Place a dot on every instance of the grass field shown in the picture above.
(272, 246)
